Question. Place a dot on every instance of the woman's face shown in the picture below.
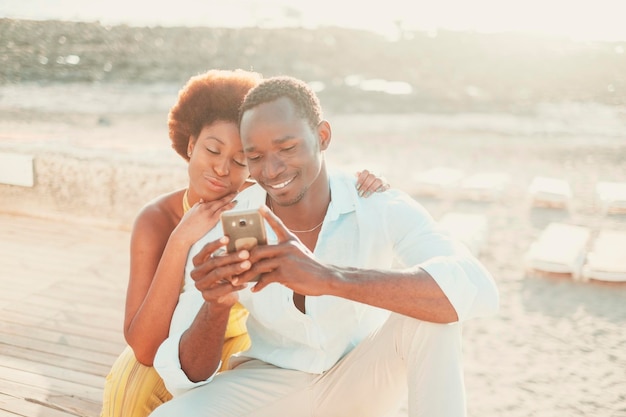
(217, 165)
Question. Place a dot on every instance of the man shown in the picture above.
(337, 328)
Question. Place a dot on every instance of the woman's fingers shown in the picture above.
(369, 182)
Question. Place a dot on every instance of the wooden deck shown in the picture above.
(62, 288)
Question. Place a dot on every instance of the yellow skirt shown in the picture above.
(135, 390)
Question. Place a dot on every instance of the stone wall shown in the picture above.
(89, 187)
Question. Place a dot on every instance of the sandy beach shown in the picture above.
(558, 346)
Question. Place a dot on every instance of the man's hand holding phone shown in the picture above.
(220, 263)
(214, 270)
(289, 262)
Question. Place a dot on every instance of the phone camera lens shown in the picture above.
(242, 222)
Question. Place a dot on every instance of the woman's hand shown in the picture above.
(202, 217)
(367, 183)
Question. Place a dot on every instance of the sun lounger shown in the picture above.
(16, 169)
(471, 229)
(437, 181)
(607, 259)
(549, 192)
(484, 186)
(612, 196)
(559, 249)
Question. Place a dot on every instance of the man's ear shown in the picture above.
(324, 134)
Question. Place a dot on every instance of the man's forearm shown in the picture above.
(201, 345)
(413, 293)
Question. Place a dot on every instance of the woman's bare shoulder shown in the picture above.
(161, 214)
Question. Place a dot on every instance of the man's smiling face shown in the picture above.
(283, 151)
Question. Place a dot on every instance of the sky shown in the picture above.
(577, 19)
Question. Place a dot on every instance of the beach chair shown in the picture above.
(484, 186)
(437, 181)
(550, 192)
(612, 196)
(606, 260)
(17, 169)
(471, 229)
(559, 249)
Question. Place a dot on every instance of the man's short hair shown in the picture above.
(300, 93)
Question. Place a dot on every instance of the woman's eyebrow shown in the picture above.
(215, 138)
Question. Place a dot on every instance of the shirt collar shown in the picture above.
(343, 194)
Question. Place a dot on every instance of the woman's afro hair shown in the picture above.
(206, 98)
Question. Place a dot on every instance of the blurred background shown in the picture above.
(392, 56)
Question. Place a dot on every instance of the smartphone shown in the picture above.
(245, 229)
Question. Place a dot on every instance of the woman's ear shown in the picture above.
(324, 132)
(190, 145)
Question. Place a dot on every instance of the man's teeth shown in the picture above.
(281, 185)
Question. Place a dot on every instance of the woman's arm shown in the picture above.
(151, 297)
(158, 254)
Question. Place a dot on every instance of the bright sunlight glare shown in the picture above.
(580, 19)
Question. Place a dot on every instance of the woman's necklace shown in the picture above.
(186, 205)
(297, 231)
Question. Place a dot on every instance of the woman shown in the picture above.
(203, 128)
